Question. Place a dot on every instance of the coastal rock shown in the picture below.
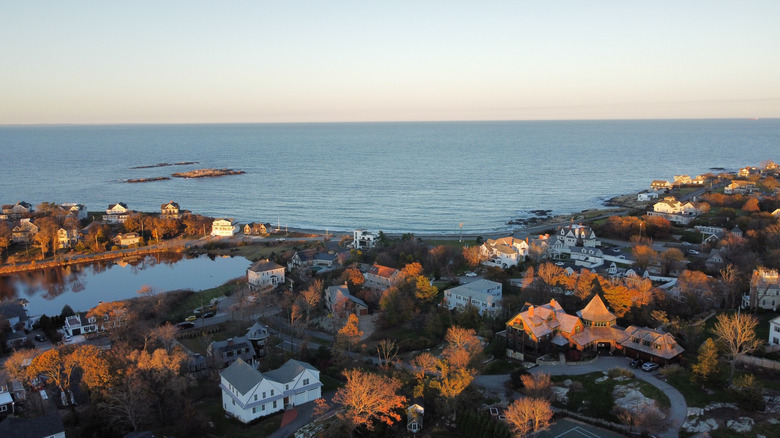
(207, 173)
(567, 383)
(695, 412)
(628, 397)
(561, 394)
(713, 406)
(602, 379)
(694, 425)
(741, 424)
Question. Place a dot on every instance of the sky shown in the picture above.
(79, 62)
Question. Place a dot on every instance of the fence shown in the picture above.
(759, 362)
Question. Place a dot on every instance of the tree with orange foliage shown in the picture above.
(368, 399)
(350, 334)
(751, 205)
(617, 296)
(643, 255)
(537, 385)
(473, 256)
(354, 278)
(583, 288)
(528, 415)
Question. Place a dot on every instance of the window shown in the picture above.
(254, 410)
(262, 408)
(3, 408)
(286, 387)
(305, 381)
(263, 394)
(274, 404)
(272, 393)
(255, 397)
(234, 402)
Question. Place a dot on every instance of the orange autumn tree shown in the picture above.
(368, 399)
(528, 414)
(350, 334)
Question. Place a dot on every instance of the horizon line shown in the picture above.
(384, 121)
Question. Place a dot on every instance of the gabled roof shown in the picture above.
(341, 291)
(289, 371)
(382, 271)
(242, 376)
(38, 427)
(264, 265)
(662, 344)
(257, 331)
(596, 311)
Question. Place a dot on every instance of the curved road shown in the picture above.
(678, 408)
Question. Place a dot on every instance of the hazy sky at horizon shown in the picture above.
(260, 61)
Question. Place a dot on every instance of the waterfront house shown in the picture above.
(739, 187)
(774, 331)
(379, 277)
(80, 324)
(749, 171)
(340, 302)
(24, 231)
(256, 229)
(124, 240)
(79, 211)
(485, 295)
(505, 252)
(362, 239)
(170, 210)
(265, 274)
(644, 197)
(116, 213)
(17, 211)
(16, 314)
(67, 238)
(47, 426)
(248, 394)
(226, 227)
(224, 353)
(675, 211)
(310, 258)
(660, 185)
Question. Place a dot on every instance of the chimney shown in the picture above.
(230, 341)
(531, 311)
(553, 303)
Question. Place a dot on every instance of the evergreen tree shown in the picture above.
(706, 368)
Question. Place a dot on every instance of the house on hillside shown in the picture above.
(379, 277)
(79, 211)
(116, 213)
(749, 171)
(265, 274)
(80, 324)
(67, 238)
(650, 345)
(312, 258)
(257, 229)
(485, 295)
(248, 394)
(764, 290)
(362, 239)
(660, 185)
(675, 211)
(224, 353)
(644, 197)
(24, 231)
(226, 227)
(739, 187)
(124, 240)
(505, 252)
(340, 302)
(170, 210)
(17, 211)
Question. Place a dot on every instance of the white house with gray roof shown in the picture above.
(486, 295)
(248, 394)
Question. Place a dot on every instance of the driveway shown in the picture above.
(304, 417)
(678, 408)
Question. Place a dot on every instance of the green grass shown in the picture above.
(329, 383)
(225, 426)
(203, 297)
(500, 366)
(654, 393)
(765, 429)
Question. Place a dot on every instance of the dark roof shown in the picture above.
(47, 425)
(242, 376)
(264, 265)
(288, 371)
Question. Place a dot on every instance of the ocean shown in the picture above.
(424, 178)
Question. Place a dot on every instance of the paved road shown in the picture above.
(304, 417)
(678, 410)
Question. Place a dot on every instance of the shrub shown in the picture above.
(672, 370)
(620, 372)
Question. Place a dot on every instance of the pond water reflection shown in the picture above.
(84, 286)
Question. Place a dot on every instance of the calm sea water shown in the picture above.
(84, 286)
(395, 177)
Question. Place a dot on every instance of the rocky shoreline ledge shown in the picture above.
(207, 173)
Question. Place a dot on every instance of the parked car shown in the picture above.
(636, 363)
(693, 252)
(650, 366)
(185, 325)
(686, 243)
(281, 239)
(471, 274)
(40, 338)
(190, 318)
(67, 339)
(208, 314)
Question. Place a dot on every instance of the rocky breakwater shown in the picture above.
(207, 173)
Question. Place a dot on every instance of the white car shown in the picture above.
(471, 274)
(693, 252)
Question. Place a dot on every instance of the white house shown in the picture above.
(265, 274)
(67, 238)
(116, 213)
(486, 295)
(24, 232)
(363, 239)
(414, 418)
(506, 251)
(764, 290)
(774, 331)
(80, 324)
(170, 210)
(226, 227)
(644, 197)
(675, 211)
(77, 210)
(248, 394)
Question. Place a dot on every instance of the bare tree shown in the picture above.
(386, 352)
(528, 415)
(368, 399)
(537, 385)
(737, 332)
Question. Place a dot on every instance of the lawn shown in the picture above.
(226, 426)
(764, 429)
(203, 297)
(501, 366)
(595, 399)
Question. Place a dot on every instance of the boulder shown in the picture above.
(697, 425)
(741, 424)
